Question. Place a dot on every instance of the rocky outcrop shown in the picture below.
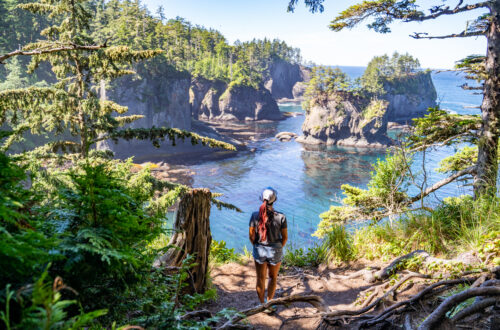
(409, 97)
(218, 101)
(285, 80)
(343, 119)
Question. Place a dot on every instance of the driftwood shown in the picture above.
(315, 301)
(192, 237)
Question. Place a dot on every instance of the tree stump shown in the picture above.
(192, 236)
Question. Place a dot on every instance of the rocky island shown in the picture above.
(342, 112)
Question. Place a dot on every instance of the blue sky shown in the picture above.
(248, 19)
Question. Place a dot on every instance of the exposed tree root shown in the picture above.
(482, 284)
(315, 301)
(474, 308)
(439, 314)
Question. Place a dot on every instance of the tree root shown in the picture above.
(480, 287)
(374, 304)
(439, 313)
(474, 308)
(315, 301)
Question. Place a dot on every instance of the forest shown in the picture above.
(81, 231)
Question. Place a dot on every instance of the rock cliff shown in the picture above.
(163, 101)
(347, 120)
(409, 97)
(217, 101)
(285, 80)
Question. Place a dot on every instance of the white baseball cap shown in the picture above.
(269, 194)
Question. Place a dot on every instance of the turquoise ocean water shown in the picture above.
(307, 179)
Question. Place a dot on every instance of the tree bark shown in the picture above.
(487, 160)
(192, 237)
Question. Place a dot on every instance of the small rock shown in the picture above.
(285, 136)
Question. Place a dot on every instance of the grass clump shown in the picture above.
(310, 257)
(339, 245)
(458, 225)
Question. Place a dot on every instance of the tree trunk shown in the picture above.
(192, 237)
(487, 160)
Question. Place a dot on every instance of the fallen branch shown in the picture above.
(315, 301)
(202, 314)
(407, 325)
(439, 313)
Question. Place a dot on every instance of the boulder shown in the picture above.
(285, 136)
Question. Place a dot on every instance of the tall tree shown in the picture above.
(381, 13)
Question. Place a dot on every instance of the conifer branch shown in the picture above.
(47, 50)
(440, 11)
(443, 182)
(157, 134)
(463, 34)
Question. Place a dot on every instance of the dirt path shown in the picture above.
(235, 285)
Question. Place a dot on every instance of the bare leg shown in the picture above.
(273, 278)
(261, 280)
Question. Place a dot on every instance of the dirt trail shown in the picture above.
(235, 285)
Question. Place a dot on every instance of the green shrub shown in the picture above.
(220, 254)
(24, 249)
(457, 225)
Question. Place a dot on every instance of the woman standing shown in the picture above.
(268, 234)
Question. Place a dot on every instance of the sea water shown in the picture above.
(308, 179)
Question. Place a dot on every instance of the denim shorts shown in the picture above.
(272, 253)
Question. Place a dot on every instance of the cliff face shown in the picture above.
(177, 100)
(286, 80)
(163, 102)
(215, 101)
(342, 119)
(410, 97)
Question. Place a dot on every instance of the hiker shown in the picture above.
(268, 234)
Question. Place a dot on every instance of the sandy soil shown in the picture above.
(235, 285)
